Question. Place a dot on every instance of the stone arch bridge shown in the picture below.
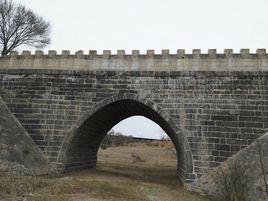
(211, 105)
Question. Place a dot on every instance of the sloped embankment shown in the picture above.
(243, 173)
(19, 155)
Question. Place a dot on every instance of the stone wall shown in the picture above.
(19, 155)
(246, 168)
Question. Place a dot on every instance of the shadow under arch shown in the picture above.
(80, 146)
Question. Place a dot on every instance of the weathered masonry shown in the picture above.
(211, 105)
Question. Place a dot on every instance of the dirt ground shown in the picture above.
(137, 172)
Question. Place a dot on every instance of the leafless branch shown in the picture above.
(233, 183)
(262, 169)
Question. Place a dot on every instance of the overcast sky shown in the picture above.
(154, 24)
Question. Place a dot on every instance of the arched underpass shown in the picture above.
(80, 151)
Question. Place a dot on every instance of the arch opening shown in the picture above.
(137, 147)
(81, 149)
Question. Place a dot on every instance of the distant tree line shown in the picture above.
(115, 139)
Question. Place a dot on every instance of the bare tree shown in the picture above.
(164, 138)
(107, 140)
(21, 26)
(234, 184)
(115, 139)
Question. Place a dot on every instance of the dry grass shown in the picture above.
(66, 188)
(28, 188)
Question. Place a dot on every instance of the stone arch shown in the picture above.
(107, 113)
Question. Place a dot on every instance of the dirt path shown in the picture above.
(96, 185)
(137, 173)
(130, 184)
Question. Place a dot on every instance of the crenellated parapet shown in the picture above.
(197, 61)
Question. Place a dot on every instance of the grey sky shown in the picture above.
(140, 126)
(154, 24)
